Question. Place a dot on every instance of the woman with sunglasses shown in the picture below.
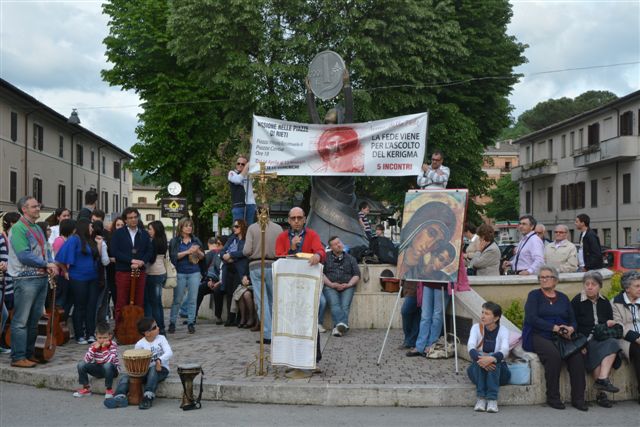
(185, 251)
(234, 265)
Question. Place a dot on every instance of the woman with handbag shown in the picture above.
(593, 311)
(156, 275)
(549, 327)
(186, 251)
(488, 348)
(626, 312)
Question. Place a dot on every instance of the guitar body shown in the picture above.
(61, 333)
(7, 330)
(127, 329)
(45, 343)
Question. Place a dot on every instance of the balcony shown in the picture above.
(611, 150)
(539, 169)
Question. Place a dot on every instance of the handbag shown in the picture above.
(172, 274)
(602, 332)
(568, 348)
(520, 372)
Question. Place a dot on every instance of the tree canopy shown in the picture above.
(204, 67)
(505, 200)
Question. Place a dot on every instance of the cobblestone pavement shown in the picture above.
(225, 352)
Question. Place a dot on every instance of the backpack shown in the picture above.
(359, 252)
(385, 250)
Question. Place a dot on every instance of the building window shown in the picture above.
(527, 202)
(572, 142)
(13, 186)
(105, 202)
(507, 166)
(116, 203)
(61, 146)
(142, 200)
(563, 147)
(626, 123)
(626, 188)
(79, 200)
(549, 199)
(580, 138)
(627, 235)
(593, 134)
(580, 195)
(572, 196)
(38, 138)
(550, 149)
(104, 165)
(37, 189)
(116, 170)
(62, 192)
(125, 202)
(150, 217)
(124, 174)
(606, 232)
(93, 160)
(79, 155)
(527, 158)
(594, 193)
(14, 126)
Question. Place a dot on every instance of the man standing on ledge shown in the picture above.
(435, 175)
(243, 203)
(590, 252)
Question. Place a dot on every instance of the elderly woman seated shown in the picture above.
(548, 312)
(626, 311)
(592, 309)
(486, 261)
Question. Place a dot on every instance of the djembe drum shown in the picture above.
(137, 364)
(187, 374)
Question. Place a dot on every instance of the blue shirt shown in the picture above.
(81, 266)
(184, 265)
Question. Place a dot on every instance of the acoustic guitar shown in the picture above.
(127, 329)
(45, 347)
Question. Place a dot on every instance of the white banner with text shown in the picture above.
(390, 147)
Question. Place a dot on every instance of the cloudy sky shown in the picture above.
(53, 50)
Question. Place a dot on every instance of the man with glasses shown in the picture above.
(300, 239)
(243, 202)
(131, 247)
(561, 253)
(435, 175)
(28, 265)
(529, 255)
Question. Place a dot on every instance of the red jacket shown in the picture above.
(310, 245)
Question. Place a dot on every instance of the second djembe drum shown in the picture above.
(137, 364)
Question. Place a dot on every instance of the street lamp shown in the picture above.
(73, 118)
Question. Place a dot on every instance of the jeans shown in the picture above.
(28, 305)
(339, 303)
(410, 320)
(5, 316)
(488, 382)
(249, 215)
(322, 307)
(431, 319)
(85, 305)
(254, 272)
(189, 283)
(153, 298)
(107, 371)
(150, 380)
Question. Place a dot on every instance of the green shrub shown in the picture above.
(515, 313)
(616, 285)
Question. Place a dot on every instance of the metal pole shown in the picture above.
(455, 331)
(393, 314)
(444, 319)
(263, 226)
(173, 226)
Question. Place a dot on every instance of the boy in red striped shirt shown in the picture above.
(100, 361)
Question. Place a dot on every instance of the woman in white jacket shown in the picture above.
(488, 347)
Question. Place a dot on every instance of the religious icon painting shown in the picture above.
(431, 236)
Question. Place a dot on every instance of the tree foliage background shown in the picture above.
(204, 67)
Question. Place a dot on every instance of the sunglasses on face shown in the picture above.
(153, 328)
(240, 164)
(236, 226)
(296, 218)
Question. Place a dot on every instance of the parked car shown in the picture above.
(623, 259)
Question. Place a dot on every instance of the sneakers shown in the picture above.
(342, 328)
(146, 403)
(91, 340)
(108, 394)
(492, 406)
(172, 328)
(83, 392)
(603, 400)
(4, 350)
(481, 405)
(336, 332)
(605, 385)
(191, 328)
(23, 363)
(321, 329)
(82, 341)
(119, 401)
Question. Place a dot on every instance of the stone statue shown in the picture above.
(333, 209)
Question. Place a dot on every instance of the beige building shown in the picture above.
(43, 155)
(144, 199)
(589, 164)
(498, 161)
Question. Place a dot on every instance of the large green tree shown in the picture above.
(505, 200)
